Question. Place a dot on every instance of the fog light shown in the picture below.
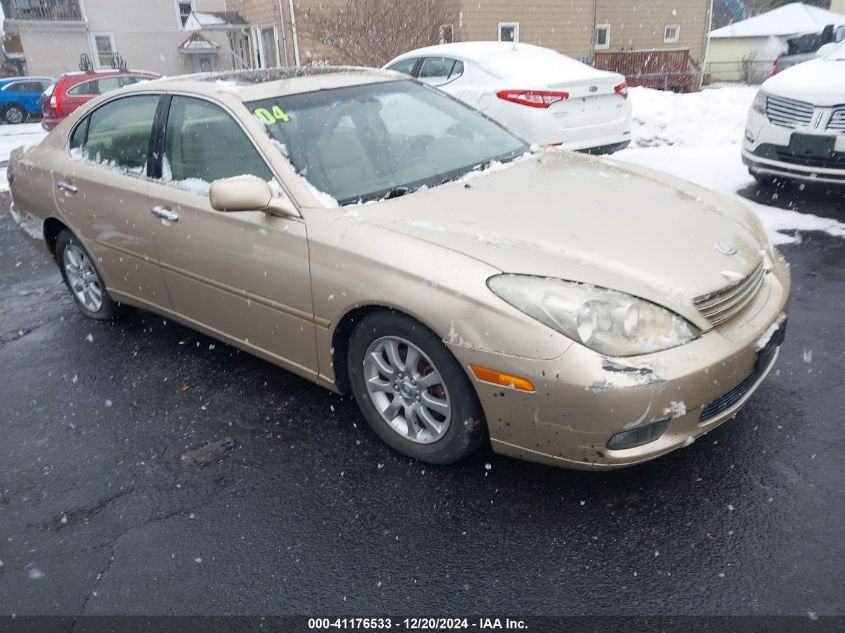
(638, 436)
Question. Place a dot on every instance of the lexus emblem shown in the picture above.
(725, 248)
(594, 88)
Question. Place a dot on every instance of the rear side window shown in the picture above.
(77, 137)
(95, 87)
(441, 68)
(406, 66)
(203, 144)
(24, 86)
(119, 134)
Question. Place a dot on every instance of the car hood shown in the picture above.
(819, 81)
(569, 216)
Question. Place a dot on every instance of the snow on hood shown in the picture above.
(568, 216)
(820, 81)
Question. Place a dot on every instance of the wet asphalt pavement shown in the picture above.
(147, 469)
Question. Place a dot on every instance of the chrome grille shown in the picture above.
(788, 112)
(717, 307)
(837, 119)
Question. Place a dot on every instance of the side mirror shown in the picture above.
(248, 194)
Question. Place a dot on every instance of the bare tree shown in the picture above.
(372, 32)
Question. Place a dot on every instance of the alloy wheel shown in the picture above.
(83, 280)
(407, 389)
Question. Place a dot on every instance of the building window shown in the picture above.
(265, 48)
(508, 31)
(184, 9)
(672, 33)
(104, 49)
(602, 36)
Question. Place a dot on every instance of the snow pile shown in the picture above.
(707, 118)
(12, 136)
(697, 136)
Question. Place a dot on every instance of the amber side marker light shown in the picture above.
(498, 378)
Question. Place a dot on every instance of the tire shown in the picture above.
(14, 114)
(436, 378)
(83, 280)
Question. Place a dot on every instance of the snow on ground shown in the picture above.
(697, 137)
(12, 136)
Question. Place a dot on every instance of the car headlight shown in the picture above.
(607, 321)
(759, 103)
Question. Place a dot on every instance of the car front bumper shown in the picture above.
(582, 399)
(766, 151)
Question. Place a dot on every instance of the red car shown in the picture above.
(73, 89)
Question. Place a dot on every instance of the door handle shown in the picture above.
(66, 187)
(165, 214)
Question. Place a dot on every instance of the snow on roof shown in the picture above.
(790, 19)
(198, 20)
(196, 42)
(472, 51)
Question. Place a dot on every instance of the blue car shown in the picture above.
(20, 97)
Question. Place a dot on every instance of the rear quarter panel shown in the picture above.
(32, 190)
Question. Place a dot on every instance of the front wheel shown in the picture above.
(14, 114)
(83, 280)
(412, 391)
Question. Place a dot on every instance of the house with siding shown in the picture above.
(578, 28)
(49, 36)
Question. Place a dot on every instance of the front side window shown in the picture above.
(203, 144)
(367, 142)
(118, 134)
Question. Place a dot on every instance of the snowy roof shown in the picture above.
(790, 19)
(211, 20)
(472, 51)
(196, 43)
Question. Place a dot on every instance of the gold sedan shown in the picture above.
(378, 237)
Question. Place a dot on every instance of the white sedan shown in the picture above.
(796, 125)
(543, 96)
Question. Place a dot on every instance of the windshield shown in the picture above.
(372, 141)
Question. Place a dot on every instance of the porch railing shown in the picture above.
(56, 10)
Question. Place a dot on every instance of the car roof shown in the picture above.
(106, 72)
(8, 80)
(253, 85)
(472, 51)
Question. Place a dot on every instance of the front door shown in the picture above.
(241, 275)
(104, 193)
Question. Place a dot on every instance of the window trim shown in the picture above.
(176, 4)
(677, 38)
(514, 25)
(606, 45)
(155, 159)
(95, 54)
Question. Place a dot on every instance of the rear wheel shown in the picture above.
(14, 114)
(412, 391)
(82, 279)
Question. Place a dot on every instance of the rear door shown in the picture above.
(102, 189)
(243, 275)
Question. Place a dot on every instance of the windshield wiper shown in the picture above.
(396, 192)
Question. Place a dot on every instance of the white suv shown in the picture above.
(796, 125)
